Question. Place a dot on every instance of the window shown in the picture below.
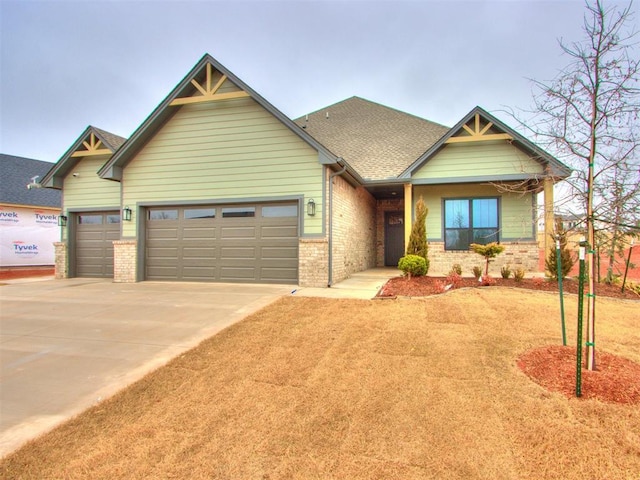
(280, 211)
(470, 220)
(195, 213)
(163, 214)
(90, 219)
(113, 218)
(234, 212)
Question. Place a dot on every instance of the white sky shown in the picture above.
(68, 64)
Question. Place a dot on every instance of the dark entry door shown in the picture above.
(393, 238)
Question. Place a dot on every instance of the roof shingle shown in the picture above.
(16, 173)
(377, 141)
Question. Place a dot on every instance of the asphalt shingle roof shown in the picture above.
(113, 141)
(16, 173)
(377, 141)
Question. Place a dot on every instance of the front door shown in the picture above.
(393, 238)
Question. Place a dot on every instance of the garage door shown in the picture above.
(223, 243)
(95, 233)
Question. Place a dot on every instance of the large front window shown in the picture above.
(470, 220)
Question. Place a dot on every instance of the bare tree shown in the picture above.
(588, 115)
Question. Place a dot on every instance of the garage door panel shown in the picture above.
(162, 233)
(227, 247)
(199, 233)
(272, 231)
(239, 233)
(279, 253)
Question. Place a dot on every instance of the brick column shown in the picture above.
(313, 266)
(61, 265)
(125, 253)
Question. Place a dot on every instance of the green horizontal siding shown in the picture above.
(225, 150)
(515, 210)
(478, 159)
(88, 190)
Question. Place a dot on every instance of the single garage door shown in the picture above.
(223, 243)
(95, 233)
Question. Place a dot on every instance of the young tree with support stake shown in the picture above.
(590, 115)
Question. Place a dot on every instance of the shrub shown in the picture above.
(488, 251)
(518, 274)
(634, 287)
(567, 260)
(418, 239)
(413, 265)
(477, 271)
(456, 268)
(454, 279)
(505, 271)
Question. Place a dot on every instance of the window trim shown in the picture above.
(471, 228)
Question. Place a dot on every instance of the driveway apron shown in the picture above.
(66, 345)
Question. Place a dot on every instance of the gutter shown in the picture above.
(334, 174)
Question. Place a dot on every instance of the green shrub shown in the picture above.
(456, 268)
(418, 239)
(567, 260)
(488, 251)
(518, 274)
(505, 271)
(413, 265)
(477, 271)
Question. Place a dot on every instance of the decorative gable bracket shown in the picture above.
(209, 91)
(92, 148)
(478, 133)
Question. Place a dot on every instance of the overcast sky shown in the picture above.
(68, 64)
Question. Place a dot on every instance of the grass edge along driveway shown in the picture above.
(319, 388)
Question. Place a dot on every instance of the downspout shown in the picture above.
(334, 174)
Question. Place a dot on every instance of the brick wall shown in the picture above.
(517, 255)
(354, 230)
(391, 205)
(125, 261)
(61, 264)
(313, 263)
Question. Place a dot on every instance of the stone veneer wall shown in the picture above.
(391, 205)
(354, 230)
(516, 254)
(313, 263)
(125, 261)
(61, 264)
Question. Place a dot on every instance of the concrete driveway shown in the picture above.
(65, 345)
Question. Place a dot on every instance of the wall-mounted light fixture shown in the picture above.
(62, 220)
(126, 214)
(311, 207)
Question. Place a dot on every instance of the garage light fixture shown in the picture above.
(62, 220)
(311, 207)
(126, 214)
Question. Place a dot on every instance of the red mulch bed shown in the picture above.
(424, 286)
(615, 379)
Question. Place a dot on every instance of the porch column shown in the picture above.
(549, 220)
(408, 210)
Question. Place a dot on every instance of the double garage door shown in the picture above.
(223, 243)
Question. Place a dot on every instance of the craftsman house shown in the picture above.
(218, 185)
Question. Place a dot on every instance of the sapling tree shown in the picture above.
(589, 116)
(488, 251)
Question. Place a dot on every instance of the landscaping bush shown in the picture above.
(487, 281)
(488, 251)
(518, 274)
(477, 271)
(454, 279)
(505, 271)
(456, 268)
(567, 260)
(413, 265)
(418, 239)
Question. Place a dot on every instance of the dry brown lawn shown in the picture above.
(392, 389)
